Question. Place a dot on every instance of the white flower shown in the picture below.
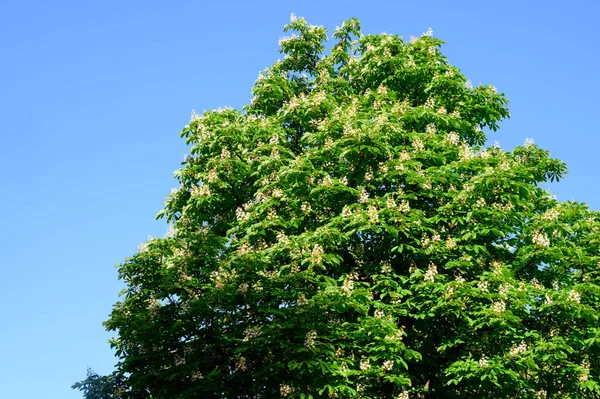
(241, 215)
(386, 267)
(373, 214)
(428, 33)
(348, 284)
(453, 138)
(306, 208)
(316, 254)
(251, 332)
(301, 301)
(243, 288)
(364, 196)
(430, 128)
(540, 239)
(498, 306)
(468, 84)
(365, 364)
(225, 153)
(403, 395)
(309, 341)
(431, 272)
(346, 211)
(574, 296)
(518, 349)
(285, 389)
(429, 103)
(404, 206)
(379, 314)
(483, 362)
(551, 214)
(388, 365)
(483, 286)
(344, 180)
(417, 144)
(504, 288)
(368, 175)
(529, 142)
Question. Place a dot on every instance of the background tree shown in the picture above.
(349, 234)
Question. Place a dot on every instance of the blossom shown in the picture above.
(301, 301)
(540, 239)
(518, 349)
(346, 211)
(316, 254)
(529, 142)
(388, 365)
(251, 333)
(483, 286)
(429, 103)
(365, 364)
(379, 314)
(373, 214)
(386, 267)
(309, 341)
(453, 138)
(483, 362)
(574, 296)
(450, 243)
(498, 306)
(430, 128)
(431, 272)
(364, 196)
(468, 84)
(403, 395)
(306, 208)
(285, 389)
(348, 284)
(428, 33)
(417, 144)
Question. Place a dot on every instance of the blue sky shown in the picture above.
(93, 95)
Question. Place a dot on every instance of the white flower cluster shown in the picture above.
(388, 365)
(285, 389)
(316, 255)
(379, 314)
(540, 239)
(403, 395)
(551, 214)
(417, 144)
(453, 138)
(309, 341)
(574, 296)
(498, 306)
(301, 301)
(251, 333)
(365, 364)
(517, 350)
(346, 211)
(430, 128)
(364, 196)
(483, 362)
(431, 272)
(306, 208)
(348, 284)
(373, 214)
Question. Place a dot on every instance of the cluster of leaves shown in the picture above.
(348, 234)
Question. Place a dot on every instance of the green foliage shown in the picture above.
(348, 234)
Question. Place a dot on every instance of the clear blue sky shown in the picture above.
(93, 95)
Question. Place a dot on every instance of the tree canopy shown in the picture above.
(349, 234)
